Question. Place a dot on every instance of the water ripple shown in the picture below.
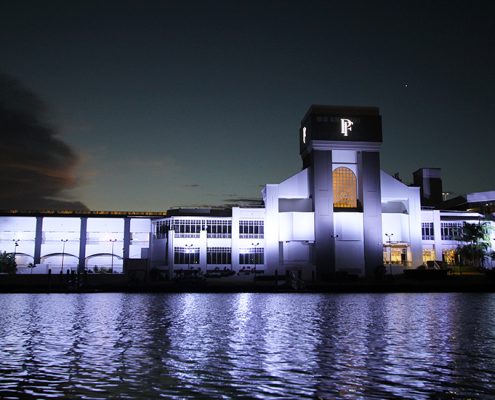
(266, 346)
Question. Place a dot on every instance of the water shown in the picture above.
(100, 346)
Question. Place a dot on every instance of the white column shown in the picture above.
(272, 256)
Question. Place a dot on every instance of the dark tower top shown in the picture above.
(339, 124)
(429, 181)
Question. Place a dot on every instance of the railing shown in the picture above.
(219, 235)
(186, 235)
(251, 235)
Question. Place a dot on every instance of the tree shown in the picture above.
(7, 263)
(477, 242)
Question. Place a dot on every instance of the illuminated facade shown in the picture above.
(68, 242)
(348, 209)
(340, 214)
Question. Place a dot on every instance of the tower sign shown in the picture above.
(345, 126)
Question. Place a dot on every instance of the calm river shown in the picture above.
(143, 346)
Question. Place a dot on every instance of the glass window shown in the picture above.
(427, 231)
(218, 255)
(450, 230)
(252, 256)
(187, 227)
(251, 229)
(186, 255)
(428, 255)
(219, 228)
(344, 188)
(160, 229)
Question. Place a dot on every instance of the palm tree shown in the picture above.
(476, 237)
(7, 263)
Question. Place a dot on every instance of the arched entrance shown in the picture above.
(104, 263)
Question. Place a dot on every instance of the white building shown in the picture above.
(62, 242)
(340, 214)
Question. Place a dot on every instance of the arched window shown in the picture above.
(344, 188)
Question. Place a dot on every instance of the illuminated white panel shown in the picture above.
(17, 226)
(251, 213)
(349, 242)
(140, 225)
(104, 236)
(481, 197)
(21, 230)
(285, 226)
(54, 227)
(406, 228)
(348, 226)
(296, 226)
(295, 187)
(303, 226)
(60, 235)
(104, 229)
(344, 156)
(109, 225)
(140, 236)
(392, 225)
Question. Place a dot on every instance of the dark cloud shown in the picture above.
(243, 202)
(37, 166)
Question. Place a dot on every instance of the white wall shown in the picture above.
(60, 243)
(22, 229)
(100, 232)
(140, 236)
(349, 242)
(405, 226)
(297, 226)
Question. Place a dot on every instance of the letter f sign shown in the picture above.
(346, 126)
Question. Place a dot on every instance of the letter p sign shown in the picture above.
(345, 126)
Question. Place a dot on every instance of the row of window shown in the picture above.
(218, 255)
(255, 229)
(214, 228)
(186, 255)
(448, 255)
(448, 230)
(251, 229)
(252, 256)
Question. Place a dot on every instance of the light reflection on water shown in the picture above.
(247, 346)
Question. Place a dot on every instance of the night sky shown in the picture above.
(146, 105)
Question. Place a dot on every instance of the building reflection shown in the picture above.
(247, 345)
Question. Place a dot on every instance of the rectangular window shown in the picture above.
(160, 229)
(186, 255)
(450, 230)
(189, 228)
(219, 228)
(251, 229)
(252, 256)
(427, 231)
(219, 255)
(428, 255)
